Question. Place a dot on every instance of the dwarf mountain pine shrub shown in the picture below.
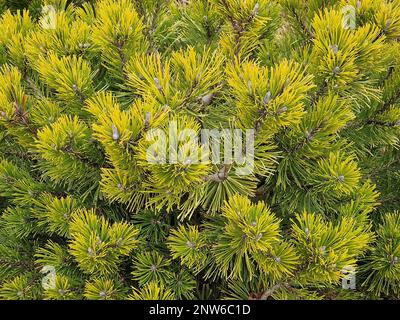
(108, 192)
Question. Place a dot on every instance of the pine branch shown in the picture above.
(267, 293)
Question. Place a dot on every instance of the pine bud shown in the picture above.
(358, 5)
(190, 244)
(267, 98)
(278, 259)
(341, 178)
(282, 110)
(250, 85)
(307, 231)
(61, 292)
(102, 294)
(115, 133)
(90, 252)
(198, 76)
(158, 84)
(336, 70)
(83, 46)
(388, 23)
(147, 120)
(206, 100)
(334, 49)
(153, 268)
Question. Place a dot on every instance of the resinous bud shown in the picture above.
(334, 48)
(90, 251)
(158, 84)
(147, 119)
(206, 100)
(267, 97)
(388, 23)
(115, 133)
(190, 244)
(282, 110)
(250, 85)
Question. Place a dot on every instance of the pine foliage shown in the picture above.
(85, 86)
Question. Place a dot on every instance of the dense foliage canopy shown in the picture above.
(82, 83)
